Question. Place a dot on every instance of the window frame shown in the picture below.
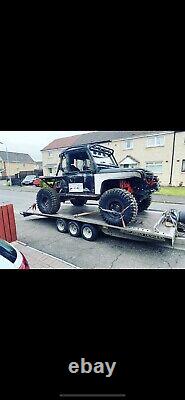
(154, 163)
(126, 141)
(155, 137)
(183, 162)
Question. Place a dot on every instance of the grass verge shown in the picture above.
(171, 191)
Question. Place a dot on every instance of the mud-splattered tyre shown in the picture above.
(118, 200)
(145, 203)
(78, 202)
(48, 201)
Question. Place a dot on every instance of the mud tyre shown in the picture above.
(145, 203)
(48, 201)
(118, 200)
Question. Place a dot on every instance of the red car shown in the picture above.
(36, 182)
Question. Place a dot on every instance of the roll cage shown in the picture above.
(89, 152)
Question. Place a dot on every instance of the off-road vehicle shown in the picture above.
(91, 172)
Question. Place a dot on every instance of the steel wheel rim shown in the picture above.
(115, 206)
(87, 232)
(73, 229)
(60, 225)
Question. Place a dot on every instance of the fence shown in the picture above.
(7, 223)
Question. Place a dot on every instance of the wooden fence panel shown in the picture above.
(7, 223)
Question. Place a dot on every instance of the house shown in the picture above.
(50, 153)
(162, 152)
(12, 163)
(129, 162)
(38, 165)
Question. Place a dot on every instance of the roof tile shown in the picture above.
(16, 157)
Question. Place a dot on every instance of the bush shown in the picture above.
(45, 185)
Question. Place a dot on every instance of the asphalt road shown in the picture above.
(106, 252)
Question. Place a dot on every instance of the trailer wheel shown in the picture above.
(118, 200)
(74, 228)
(48, 201)
(89, 232)
(78, 202)
(145, 203)
(62, 225)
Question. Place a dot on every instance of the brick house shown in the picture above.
(12, 163)
(162, 152)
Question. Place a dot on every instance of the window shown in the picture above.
(102, 158)
(50, 154)
(83, 165)
(128, 144)
(133, 165)
(155, 167)
(64, 163)
(183, 165)
(155, 141)
(7, 251)
(50, 170)
(78, 161)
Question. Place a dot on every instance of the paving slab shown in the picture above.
(159, 198)
(38, 259)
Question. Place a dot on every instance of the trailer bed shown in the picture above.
(147, 227)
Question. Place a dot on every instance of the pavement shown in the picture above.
(33, 189)
(38, 259)
(158, 198)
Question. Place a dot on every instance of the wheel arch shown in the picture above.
(117, 183)
(109, 184)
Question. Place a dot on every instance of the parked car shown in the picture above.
(28, 180)
(37, 182)
(11, 258)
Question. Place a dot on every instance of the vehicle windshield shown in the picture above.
(30, 177)
(102, 157)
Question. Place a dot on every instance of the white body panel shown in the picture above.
(100, 178)
(6, 264)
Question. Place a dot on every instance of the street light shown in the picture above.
(8, 164)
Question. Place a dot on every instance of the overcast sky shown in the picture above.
(31, 142)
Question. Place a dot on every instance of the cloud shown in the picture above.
(31, 142)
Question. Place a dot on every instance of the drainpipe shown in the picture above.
(172, 161)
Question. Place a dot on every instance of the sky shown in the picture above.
(31, 142)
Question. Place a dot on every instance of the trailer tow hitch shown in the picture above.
(169, 219)
(32, 207)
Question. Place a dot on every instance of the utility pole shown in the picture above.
(172, 160)
(8, 164)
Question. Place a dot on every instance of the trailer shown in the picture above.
(164, 228)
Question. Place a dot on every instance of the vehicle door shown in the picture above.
(80, 173)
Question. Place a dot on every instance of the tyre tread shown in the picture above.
(123, 193)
